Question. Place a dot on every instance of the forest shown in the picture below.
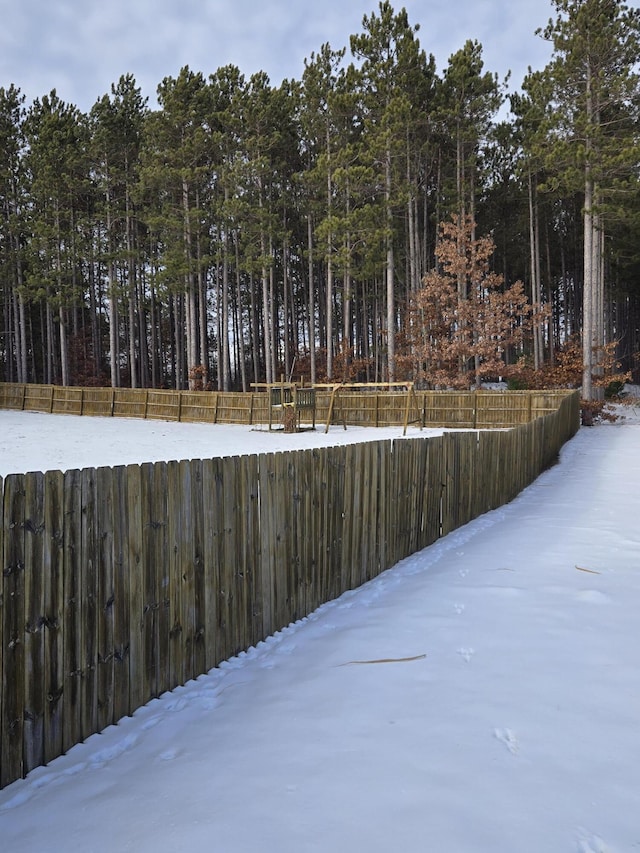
(375, 220)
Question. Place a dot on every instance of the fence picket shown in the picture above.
(54, 675)
(13, 661)
(105, 597)
(121, 611)
(35, 581)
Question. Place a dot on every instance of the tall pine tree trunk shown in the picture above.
(588, 292)
(390, 276)
(311, 308)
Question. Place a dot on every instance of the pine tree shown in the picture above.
(589, 138)
(58, 184)
(392, 65)
(12, 233)
(116, 136)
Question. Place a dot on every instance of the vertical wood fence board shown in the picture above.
(211, 514)
(485, 473)
(278, 539)
(409, 464)
(313, 486)
(382, 521)
(297, 524)
(198, 575)
(279, 544)
(160, 521)
(13, 597)
(297, 556)
(449, 452)
(251, 556)
(135, 569)
(398, 506)
(121, 611)
(283, 604)
(413, 494)
(54, 676)
(355, 471)
(432, 489)
(105, 559)
(88, 600)
(265, 504)
(363, 548)
(322, 524)
(241, 577)
(336, 513)
(470, 452)
(72, 614)
(329, 524)
(231, 589)
(176, 651)
(366, 565)
(419, 476)
(312, 490)
(300, 555)
(153, 491)
(244, 582)
(350, 516)
(35, 582)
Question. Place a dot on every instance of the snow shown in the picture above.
(31, 441)
(482, 695)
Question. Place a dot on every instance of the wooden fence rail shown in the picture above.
(463, 409)
(119, 584)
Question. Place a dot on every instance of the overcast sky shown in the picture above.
(81, 47)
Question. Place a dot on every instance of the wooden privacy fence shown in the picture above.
(463, 409)
(119, 584)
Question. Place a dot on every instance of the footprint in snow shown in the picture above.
(459, 608)
(168, 755)
(207, 702)
(175, 704)
(109, 753)
(23, 796)
(508, 738)
(593, 596)
(589, 843)
(466, 654)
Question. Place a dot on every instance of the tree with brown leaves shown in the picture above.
(463, 319)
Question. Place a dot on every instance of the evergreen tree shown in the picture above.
(14, 330)
(117, 123)
(58, 185)
(589, 138)
(391, 63)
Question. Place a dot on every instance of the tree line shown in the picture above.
(241, 231)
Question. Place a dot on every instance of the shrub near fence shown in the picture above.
(119, 584)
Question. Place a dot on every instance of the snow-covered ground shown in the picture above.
(30, 441)
(482, 695)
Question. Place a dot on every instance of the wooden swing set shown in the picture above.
(411, 408)
(288, 401)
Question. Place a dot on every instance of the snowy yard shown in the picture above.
(30, 441)
(482, 695)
